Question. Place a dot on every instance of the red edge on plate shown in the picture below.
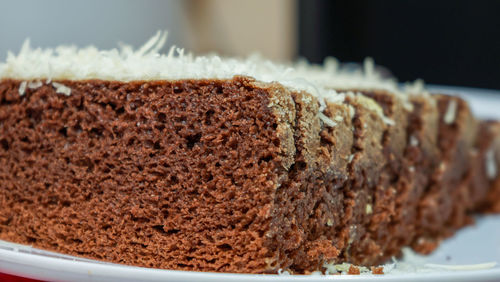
(11, 278)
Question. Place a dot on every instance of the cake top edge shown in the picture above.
(147, 64)
(125, 64)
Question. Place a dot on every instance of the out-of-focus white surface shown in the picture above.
(91, 22)
(476, 244)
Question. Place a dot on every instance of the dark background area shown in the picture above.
(443, 42)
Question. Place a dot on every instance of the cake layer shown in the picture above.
(176, 175)
(235, 175)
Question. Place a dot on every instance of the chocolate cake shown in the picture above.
(228, 165)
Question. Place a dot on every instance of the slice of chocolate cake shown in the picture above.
(228, 165)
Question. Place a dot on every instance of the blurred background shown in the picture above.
(443, 42)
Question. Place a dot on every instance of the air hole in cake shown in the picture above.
(192, 140)
(120, 111)
(265, 159)
(225, 247)
(63, 131)
(173, 179)
(112, 105)
(210, 177)
(5, 144)
(34, 114)
(160, 127)
(77, 129)
(131, 141)
(118, 133)
(173, 231)
(157, 145)
(165, 213)
(208, 117)
(31, 239)
(276, 142)
(129, 116)
(161, 117)
(66, 203)
(97, 132)
(159, 228)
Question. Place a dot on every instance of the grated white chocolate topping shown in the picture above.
(490, 164)
(146, 63)
(451, 112)
(410, 262)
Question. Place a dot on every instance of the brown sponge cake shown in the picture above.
(171, 175)
(227, 165)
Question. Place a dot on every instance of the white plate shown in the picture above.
(477, 245)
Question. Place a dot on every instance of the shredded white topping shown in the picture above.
(344, 268)
(368, 209)
(491, 165)
(283, 272)
(61, 88)
(413, 141)
(34, 84)
(22, 88)
(146, 63)
(350, 158)
(371, 105)
(451, 112)
(327, 120)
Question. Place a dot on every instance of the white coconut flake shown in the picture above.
(368, 209)
(343, 268)
(339, 118)
(491, 165)
(373, 106)
(451, 112)
(413, 141)
(352, 111)
(327, 120)
(350, 158)
(283, 272)
(61, 88)
(415, 88)
(388, 121)
(22, 88)
(35, 84)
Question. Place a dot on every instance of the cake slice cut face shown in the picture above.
(225, 165)
(179, 175)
